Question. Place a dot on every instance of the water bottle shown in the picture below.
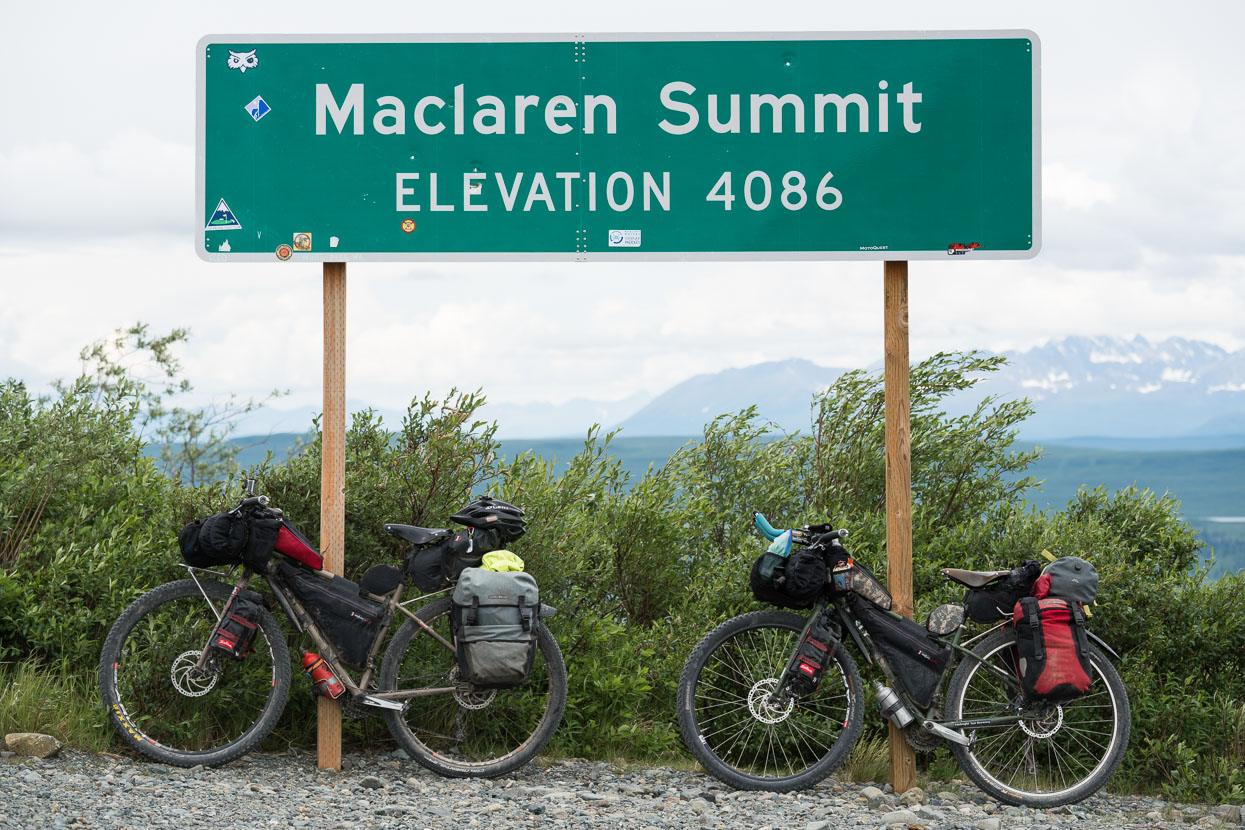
(322, 677)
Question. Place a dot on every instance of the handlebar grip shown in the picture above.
(769, 531)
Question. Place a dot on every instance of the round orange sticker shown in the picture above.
(284, 252)
(408, 225)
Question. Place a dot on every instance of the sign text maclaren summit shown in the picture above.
(861, 146)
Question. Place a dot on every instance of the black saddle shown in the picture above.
(417, 535)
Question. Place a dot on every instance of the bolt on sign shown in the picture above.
(895, 145)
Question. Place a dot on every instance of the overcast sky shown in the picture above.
(1143, 182)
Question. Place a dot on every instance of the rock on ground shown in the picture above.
(32, 744)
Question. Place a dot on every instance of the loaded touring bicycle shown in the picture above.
(470, 683)
(1031, 708)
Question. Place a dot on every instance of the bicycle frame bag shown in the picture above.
(1053, 649)
(1070, 578)
(216, 541)
(996, 601)
(238, 624)
(811, 658)
(291, 542)
(348, 621)
(494, 619)
(849, 576)
(917, 660)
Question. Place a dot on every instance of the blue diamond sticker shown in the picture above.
(258, 108)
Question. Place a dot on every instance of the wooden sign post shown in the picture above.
(333, 482)
(898, 483)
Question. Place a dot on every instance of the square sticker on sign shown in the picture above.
(624, 239)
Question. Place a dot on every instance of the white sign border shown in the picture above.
(614, 256)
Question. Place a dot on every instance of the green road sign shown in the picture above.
(895, 145)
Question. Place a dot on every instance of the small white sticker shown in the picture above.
(224, 247)
(624, 239)
(333, 241)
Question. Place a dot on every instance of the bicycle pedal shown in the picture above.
(381, 703)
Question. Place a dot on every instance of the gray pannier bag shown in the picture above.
(494, 618)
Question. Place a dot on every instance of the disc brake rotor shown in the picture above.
(1045, 726)
(188, 680)
(760, 705)
(470, 698)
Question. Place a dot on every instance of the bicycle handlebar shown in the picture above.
(770, 532)
(252, 501)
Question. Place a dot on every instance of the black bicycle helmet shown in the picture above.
(493, 514)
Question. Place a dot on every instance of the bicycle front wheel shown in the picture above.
(167, 709)
(743, 738)
(1063, 755)
(460, 732)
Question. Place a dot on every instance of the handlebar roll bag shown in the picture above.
(261, 542)
(792, 581)
(218, 540)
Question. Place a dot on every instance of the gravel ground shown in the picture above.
(385, 791)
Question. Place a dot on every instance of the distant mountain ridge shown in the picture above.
(782, 391)
(1117, 388)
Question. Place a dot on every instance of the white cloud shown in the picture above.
(132, 184)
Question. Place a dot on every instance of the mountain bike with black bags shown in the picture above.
(198, 671)
(1032, 708)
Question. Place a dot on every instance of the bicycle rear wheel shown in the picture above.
(1065, 754)
(741, 737)
(169, 712)
(462, 733)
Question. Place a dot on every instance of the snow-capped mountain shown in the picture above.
(1080, 386)
(1126, 387)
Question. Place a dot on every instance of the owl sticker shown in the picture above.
(242, 61)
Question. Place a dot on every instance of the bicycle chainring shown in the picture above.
(187, 679)
(919, 738)
(355, 710)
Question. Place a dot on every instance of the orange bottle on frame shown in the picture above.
(322, 677)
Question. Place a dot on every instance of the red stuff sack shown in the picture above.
(1053, 649)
